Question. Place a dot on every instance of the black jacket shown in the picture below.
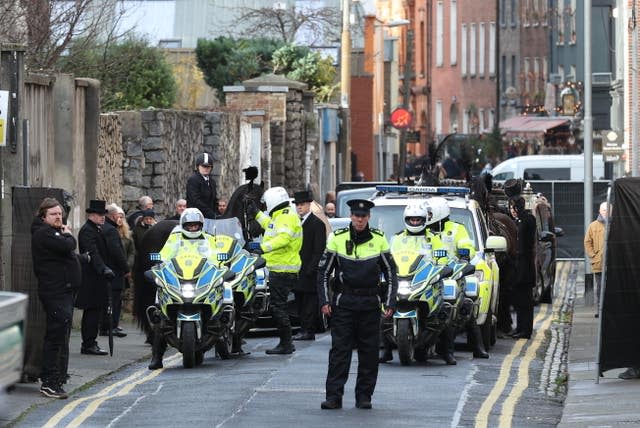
(314, 241)
(525, 266)
(202, 195)
(55, 262)
(116, 253)
(93, 292)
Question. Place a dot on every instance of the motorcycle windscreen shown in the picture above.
(619, 338)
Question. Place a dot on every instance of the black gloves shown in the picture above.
(254, 247)
(257, 251)
(84, 258)
(252, 209)
(108, 274)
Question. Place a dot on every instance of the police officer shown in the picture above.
(189, 237)
(357, 254)
(280, 247)
(454, 237)
(525, 268)
(201, 188)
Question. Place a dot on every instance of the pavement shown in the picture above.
(84, 370)
(610, 403)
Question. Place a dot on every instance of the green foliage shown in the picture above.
(227, 61)
(132, 74)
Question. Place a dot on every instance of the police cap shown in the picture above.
(360, 206)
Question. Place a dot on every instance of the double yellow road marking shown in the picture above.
(106, 394)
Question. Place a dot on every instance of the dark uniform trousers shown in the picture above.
(523, 302)
(307, 310)
(354, 325)
(59, 311)
(280, 284)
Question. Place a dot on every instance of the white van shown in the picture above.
(547, 167)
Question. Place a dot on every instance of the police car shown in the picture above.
(388, 215)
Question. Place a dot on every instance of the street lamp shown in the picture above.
(406, 89)
(345, 86)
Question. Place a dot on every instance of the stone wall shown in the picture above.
(160, 147)
(110, 158)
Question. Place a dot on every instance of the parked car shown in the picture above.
(13, 311)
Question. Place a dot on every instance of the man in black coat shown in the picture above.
(120, 269)
(201, 188)
(314, 240)
(57, 269)
(96, 275)
(525, 268)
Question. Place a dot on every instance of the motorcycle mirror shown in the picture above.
(468, 270)
(260, 263)
(229, 275)
(148, 275)
(446, 271)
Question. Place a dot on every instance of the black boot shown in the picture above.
(285, 346)
(157, 351)
(475, 337)
(446, 346)
(242, 327)
(385, 355)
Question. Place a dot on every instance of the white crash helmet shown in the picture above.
(191, 215)
(274, 197)
(439, 208)
(416, 209)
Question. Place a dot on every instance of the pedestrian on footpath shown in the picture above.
(314, 239)
(522, 296)
(357, 255)
(181, 205)
(57, 270)
(144, 203)
(280, 247)
(594, 248)
(96, 276)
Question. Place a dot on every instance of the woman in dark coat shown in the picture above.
(56, 267)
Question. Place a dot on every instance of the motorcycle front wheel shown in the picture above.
(405, 342)
(188, 339)
(223, 345)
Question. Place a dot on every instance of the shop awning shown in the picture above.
(531, 124)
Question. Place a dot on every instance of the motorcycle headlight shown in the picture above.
(404, 288)
(188, 290)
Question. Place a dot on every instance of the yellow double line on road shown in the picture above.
(508, 407)
(106, 394)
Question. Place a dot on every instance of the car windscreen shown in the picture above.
(342, 209)
(389, 219)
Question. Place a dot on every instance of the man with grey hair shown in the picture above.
(181, 205)
(144, 203)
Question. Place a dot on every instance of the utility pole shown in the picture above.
(635, 148)
(345, 87)
(406, 97)
(496, 116)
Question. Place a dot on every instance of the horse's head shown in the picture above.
(237, 206)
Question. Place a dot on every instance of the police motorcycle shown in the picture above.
(460, 289)
(422, 312)
(246, 293)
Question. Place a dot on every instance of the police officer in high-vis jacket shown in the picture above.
(358, 255)
(454, 237)
(281, 249)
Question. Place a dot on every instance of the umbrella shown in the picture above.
(110, 316)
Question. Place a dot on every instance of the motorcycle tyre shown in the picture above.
(188, 340)
(405, 342)
(223, 345)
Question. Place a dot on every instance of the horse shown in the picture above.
(499, 224)
(155, 238)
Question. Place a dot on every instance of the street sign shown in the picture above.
(401, 118)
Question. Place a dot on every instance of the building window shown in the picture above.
(473, 49)
(481, 120)
(561, 72)
(560, 23)
(572, 73)
(503, 21)
(544, 15)
(481, 33)
(527, 80)
(526, 13)
(492, 49)
(514, 70)
(572, 23)
(463, 49)
(465, 121)
(503, 73)
(514, 14)
(453, 32)
(439, 34)
(438, 117)
(492, 118)
(545, 70)
(536, 74)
